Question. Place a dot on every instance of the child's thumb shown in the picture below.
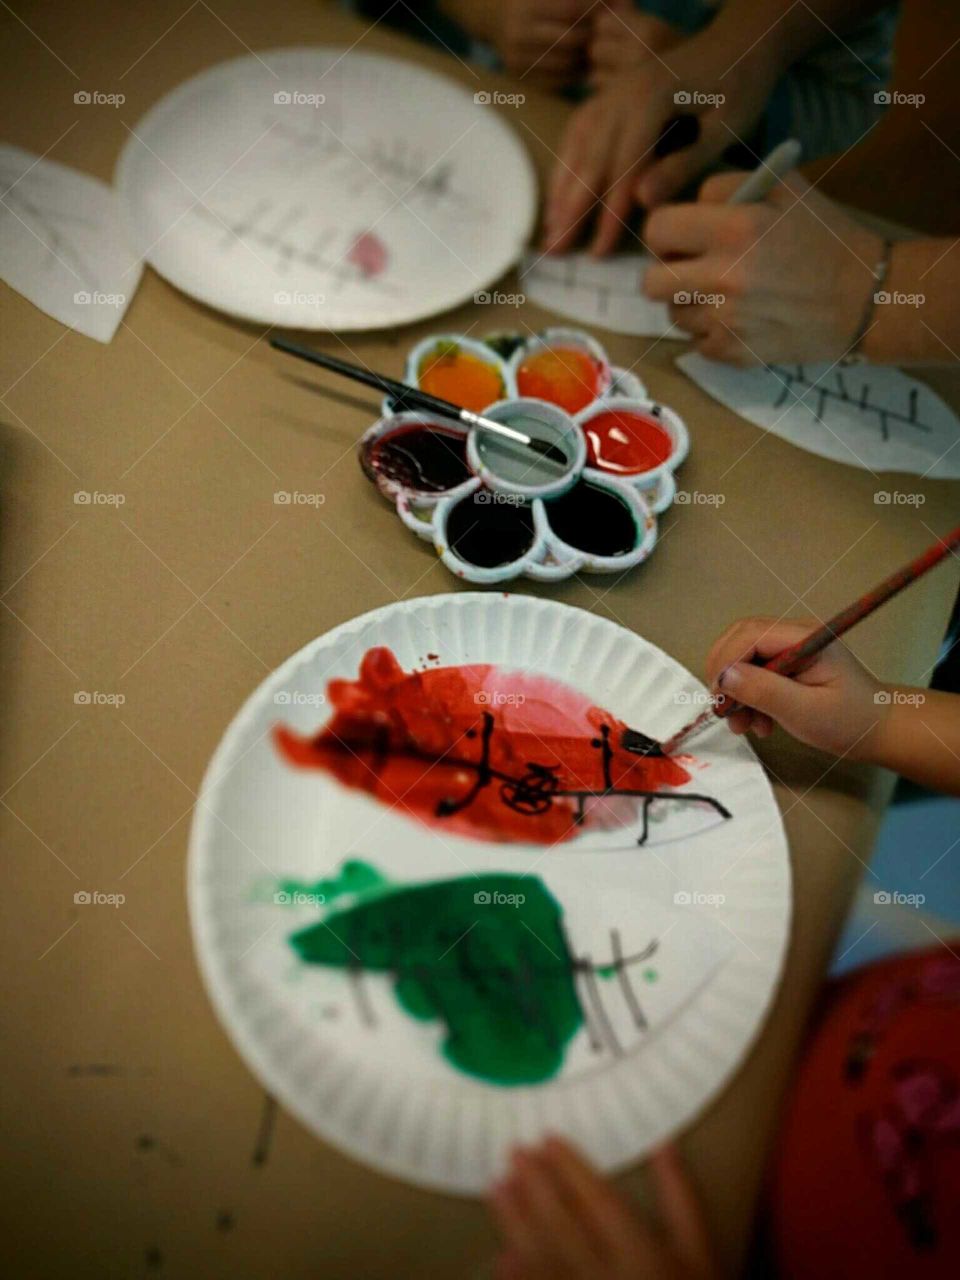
(777, 696)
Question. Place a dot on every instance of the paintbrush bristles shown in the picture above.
(689, 730)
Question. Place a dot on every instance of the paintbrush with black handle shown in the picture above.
(407, 397)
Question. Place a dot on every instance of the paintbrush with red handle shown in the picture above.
(797, 657)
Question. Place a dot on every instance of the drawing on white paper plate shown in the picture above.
(491, 754)
(388, 161)
(325, 188)
(489, 958)
(869, 416)
(429, 960)
(272, 229)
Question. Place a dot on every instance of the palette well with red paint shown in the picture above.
(492, 509)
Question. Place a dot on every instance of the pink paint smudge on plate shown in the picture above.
(369, 254)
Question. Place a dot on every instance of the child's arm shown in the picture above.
(724, 75)
(837, 705)
(624, 37)
(920, 737)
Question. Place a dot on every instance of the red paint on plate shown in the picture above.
(480, 751)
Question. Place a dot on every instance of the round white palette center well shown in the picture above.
(444, 905)
(322, 188)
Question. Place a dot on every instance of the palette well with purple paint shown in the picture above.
(495, 510)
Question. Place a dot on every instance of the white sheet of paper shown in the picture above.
(605, 292)
(868, 416)
(62, 245)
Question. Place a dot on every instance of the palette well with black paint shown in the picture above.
(493, 509)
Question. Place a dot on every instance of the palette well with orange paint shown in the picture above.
(493, 509)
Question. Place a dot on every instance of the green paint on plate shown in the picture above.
(356, 879)
(484, 955)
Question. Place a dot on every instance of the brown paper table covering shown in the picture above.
(136, 1141)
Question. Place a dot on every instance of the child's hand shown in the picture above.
(560, 1220)
(624, 37)
(831, 705)
(545, 40)
(787, 278)
(607, 155)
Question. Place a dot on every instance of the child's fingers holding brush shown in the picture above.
(830, 704)
(753, 639)
(769, 698)
(748, 641)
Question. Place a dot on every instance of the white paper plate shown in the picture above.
(395, 197)
(715, 893)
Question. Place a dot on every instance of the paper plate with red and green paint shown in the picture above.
(448, 894)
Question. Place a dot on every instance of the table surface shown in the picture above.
(142, 1143)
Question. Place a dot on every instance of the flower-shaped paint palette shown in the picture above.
(494, 509)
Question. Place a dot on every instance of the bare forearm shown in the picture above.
(919, 737)
(784, 29)
(917, 321)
